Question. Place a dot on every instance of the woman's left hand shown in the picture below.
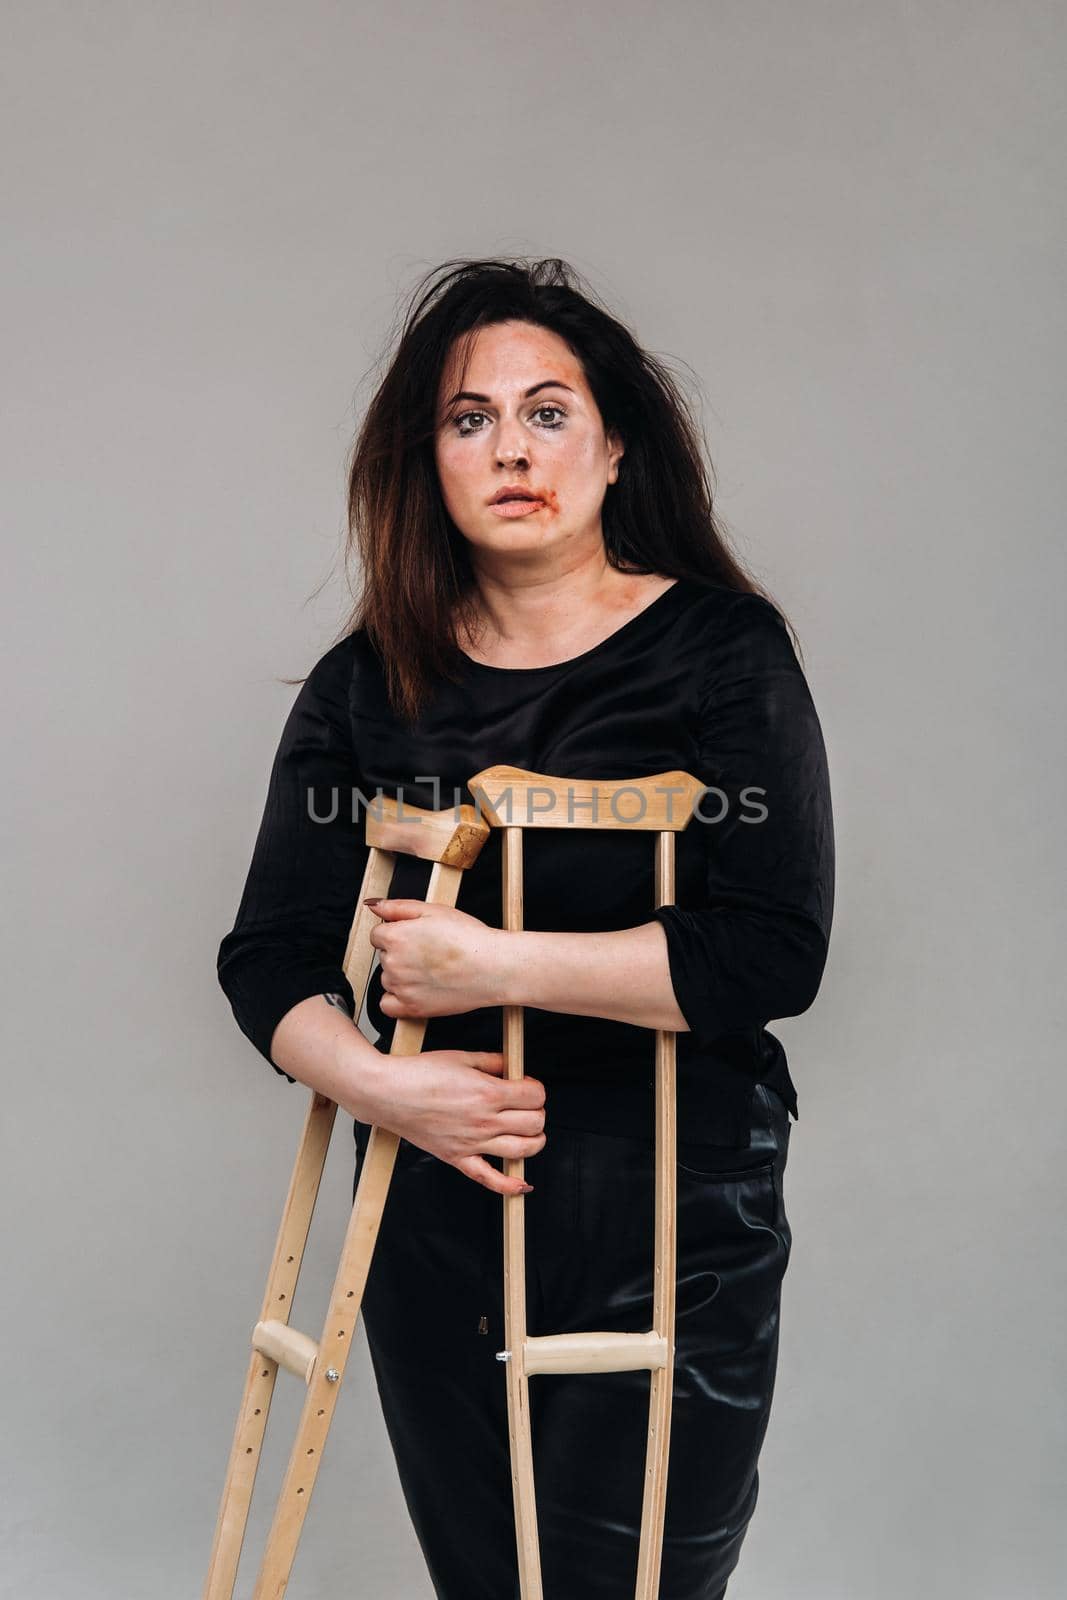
(436, 960)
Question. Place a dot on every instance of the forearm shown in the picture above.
(319, 1044)
(623, 976)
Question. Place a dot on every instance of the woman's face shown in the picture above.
(522, 415)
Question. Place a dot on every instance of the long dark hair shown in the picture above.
(415, 577)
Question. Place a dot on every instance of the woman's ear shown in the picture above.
(616, 451)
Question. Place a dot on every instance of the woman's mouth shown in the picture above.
(516, 507)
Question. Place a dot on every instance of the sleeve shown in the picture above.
(755, 947)
(291, 930)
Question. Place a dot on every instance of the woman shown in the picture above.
(545, 586)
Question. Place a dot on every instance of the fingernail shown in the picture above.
(376, 901)
(527, 1188)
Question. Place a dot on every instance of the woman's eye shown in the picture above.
(552, 410)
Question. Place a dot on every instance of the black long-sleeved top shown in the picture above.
(704, 680)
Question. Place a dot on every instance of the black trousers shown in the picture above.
(433, 1314)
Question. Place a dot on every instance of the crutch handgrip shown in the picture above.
(295, 1351)
(594, 1352)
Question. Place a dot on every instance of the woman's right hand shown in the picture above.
(458, 1105)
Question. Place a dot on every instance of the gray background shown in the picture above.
(847, 219)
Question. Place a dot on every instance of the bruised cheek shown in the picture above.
(463, 500)
(457, 484)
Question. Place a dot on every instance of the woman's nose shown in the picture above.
(510, 450)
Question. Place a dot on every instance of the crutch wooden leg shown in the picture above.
(451, 840)
(514, 799)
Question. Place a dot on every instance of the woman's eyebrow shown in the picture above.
(485, 399)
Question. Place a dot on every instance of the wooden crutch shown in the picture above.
(514, 799)
(452, 840)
